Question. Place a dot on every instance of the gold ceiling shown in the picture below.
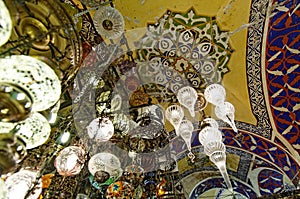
(259, 69)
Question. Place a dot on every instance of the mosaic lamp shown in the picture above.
(187, 97)
(34, 77)
(5, 24)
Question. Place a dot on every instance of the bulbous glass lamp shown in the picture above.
(20, 183)
(34, 131)
(174, 114)
(100, 129)
(109, 22)
(70, 161)
(209, 122)
(186, 129)
(225, 112)
(187, 97)
(5, 23)
(209, 134)
(105, 162)
(34, 76)
(215, 94)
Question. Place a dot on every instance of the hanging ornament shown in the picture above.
(109, 22)
(186, 129)
(174, 114)
(216, 152)
(120, 189)
(215, 94)
(105, 162)
(101, 176)
(101, 129)
(70, 161)
(33, 76)
(225, 112)
(5, 23)
(187, 97)
(20, 183)
(209, 134)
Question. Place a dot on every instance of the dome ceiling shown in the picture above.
(250, 47)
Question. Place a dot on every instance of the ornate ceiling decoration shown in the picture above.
(107, 134)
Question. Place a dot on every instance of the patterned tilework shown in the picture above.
(211, 183)
(253, 66)
(270, 182)
(265, 149)
(283, 69)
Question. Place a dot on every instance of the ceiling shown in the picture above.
(256, 52)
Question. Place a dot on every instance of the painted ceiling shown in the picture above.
(254, 47)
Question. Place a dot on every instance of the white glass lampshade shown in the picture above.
(186, 129)
(213, 147)
(187, 97)
(105, 162)
(34, 131)
(109, 22)
(209, 134)
(216, 153)
(34, 76)
(174, 114)
(5, 24)
(19, 184)
(225, 112)
(70, 161)
(215, 94)
(100, 129)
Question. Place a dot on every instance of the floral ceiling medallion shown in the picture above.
(192, 46)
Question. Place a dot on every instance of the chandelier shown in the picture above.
(141, 100)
